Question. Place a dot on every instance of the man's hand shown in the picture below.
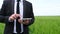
(24, 22)
(13, 17)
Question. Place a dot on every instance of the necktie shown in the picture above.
(18, 7)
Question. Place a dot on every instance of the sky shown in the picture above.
(44, 7)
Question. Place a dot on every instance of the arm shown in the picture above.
(31, 15)
(3, 17)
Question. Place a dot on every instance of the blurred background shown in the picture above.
(47, 17)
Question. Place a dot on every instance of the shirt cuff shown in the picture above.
(10, 20)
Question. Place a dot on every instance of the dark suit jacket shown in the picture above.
(8, 9)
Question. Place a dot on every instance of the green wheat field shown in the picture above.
(42, 25)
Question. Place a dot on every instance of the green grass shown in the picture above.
(1, 28)
(46, 25)
(42, 25)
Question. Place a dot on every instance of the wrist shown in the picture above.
(25, 22)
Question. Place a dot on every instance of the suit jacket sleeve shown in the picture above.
(3, 10)
(31, 14)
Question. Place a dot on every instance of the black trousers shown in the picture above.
(18, 33)
(21, 33)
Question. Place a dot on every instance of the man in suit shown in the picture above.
(7, 16)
